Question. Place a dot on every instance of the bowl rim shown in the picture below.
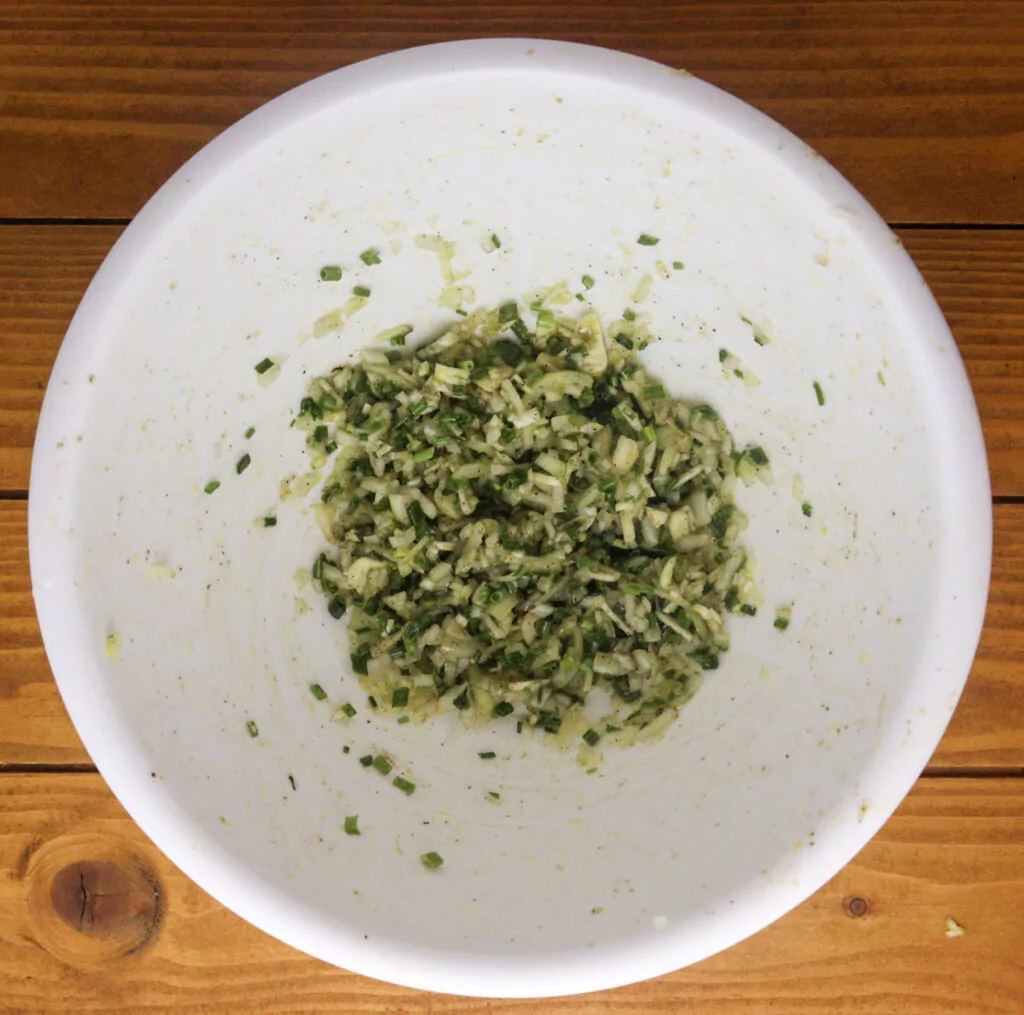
(241, 890)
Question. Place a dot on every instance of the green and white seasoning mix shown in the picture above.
(518, 515)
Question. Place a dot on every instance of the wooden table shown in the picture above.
(920, 104)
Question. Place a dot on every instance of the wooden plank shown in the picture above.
(977, 277)
(978, 280)
(952, 850)
(918, 103)
(986, 731)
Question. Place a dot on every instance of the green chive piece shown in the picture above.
(382, 764)
(250, 432)
(807, 509)
(646, 240)
(330, 273)
(462, 701)
(349, 710)
(402, 720)
(649, 434)
(242, 464)
(723, 355)
(264, 365)
(508, 312)
(591, 737)
(588, 282)
(703, 412)
(653, 391)
(408, 788)
(431, 860)
(493, 796)
(360, 290)
(504, 708)
(461, 312)
(366, 760)
(337, 607)
(360, 658)
(269, 522)
(254, 730)
(757, 455)
(400, 697)
(423, 455)
(749, 610)
(487, 755)
(495, 240)
(678, 265)
(214, 484)
(352, 825)
(628, 315)
(782, 618)
(318, 692)
(370, 256)
(819, 393)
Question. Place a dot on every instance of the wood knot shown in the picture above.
(100, 897)
(92, 910)
(856, 907)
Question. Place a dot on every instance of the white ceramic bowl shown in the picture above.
(791, 755)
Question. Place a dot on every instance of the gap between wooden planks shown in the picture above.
(977, 277)
(952, 850)
(918, 103)
(986, 732)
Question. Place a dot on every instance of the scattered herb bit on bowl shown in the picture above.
(646, 240)
(819, 394)
(432, 861)
(370, 256)
(352, 825)
(783, 615)
(212, 486)
(759, 336)
(112, 644)
(330, 273)
(254, 730)
(518, 514)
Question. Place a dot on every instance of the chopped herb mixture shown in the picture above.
(517, 514)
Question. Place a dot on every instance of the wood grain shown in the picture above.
(952, 850)
(977, 276)
(986, 732)
(918, 103)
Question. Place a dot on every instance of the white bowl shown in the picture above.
(791, 755)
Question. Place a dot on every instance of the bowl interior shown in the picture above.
(790, 755)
